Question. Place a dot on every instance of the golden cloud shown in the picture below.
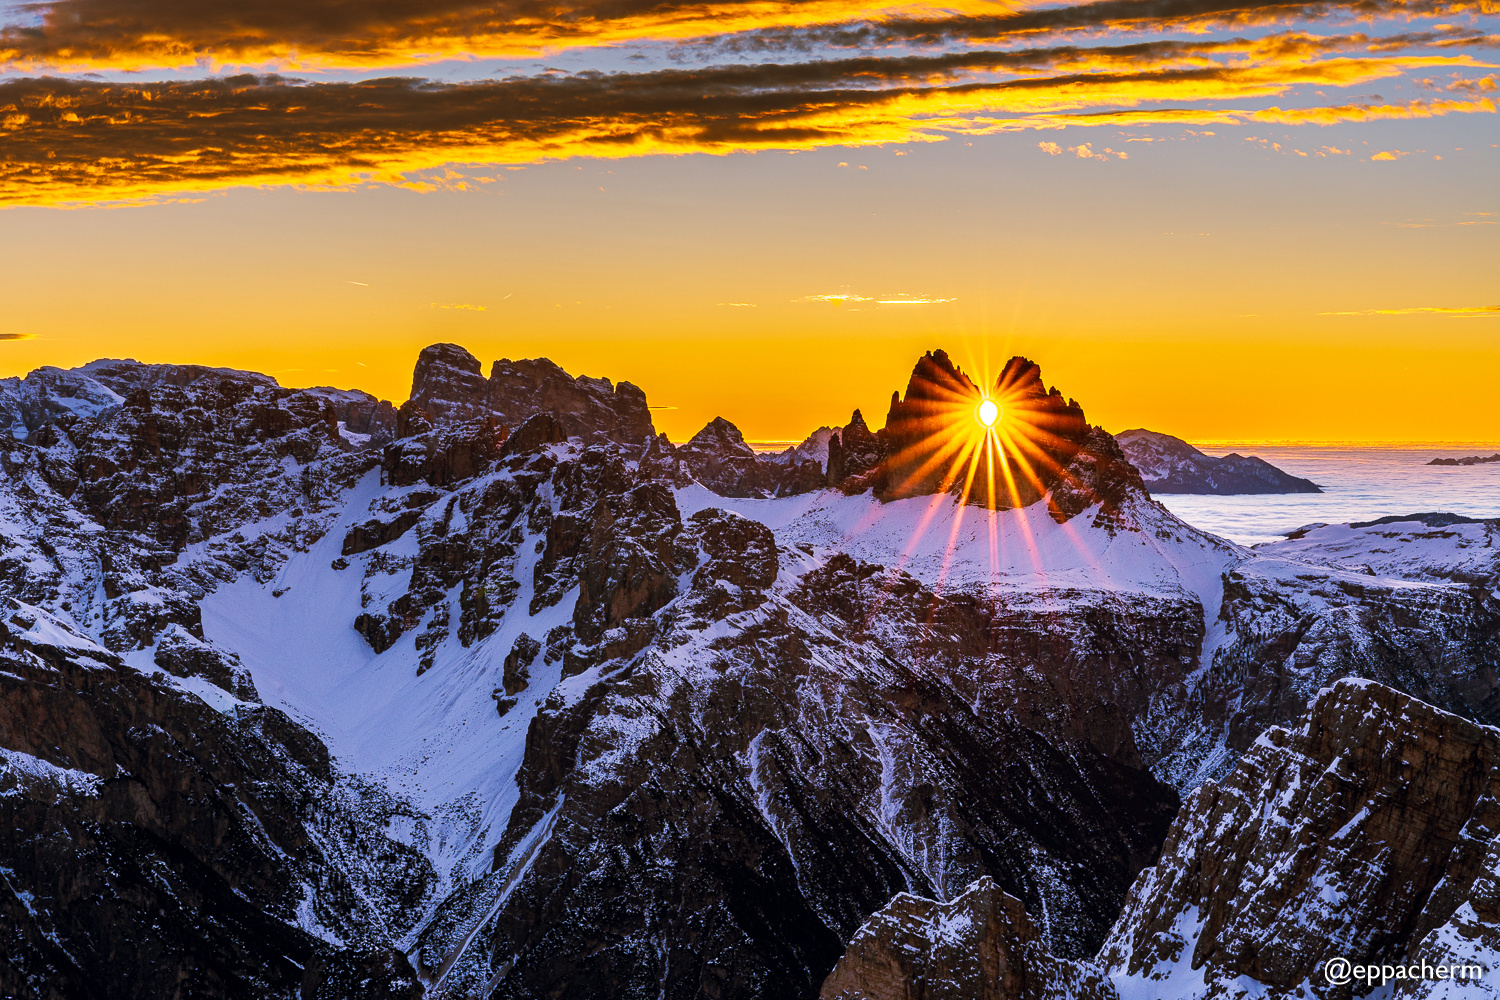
(1103, 16)
(85, 35)
(104, 35)
(85, 141)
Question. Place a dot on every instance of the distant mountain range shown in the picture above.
(501, 694)
(1470, 460)
(1171, 465)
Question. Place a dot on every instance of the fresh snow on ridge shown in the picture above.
(948, 546)
(433, 740)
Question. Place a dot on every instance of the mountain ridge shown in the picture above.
(1171, 465)
(643, 735)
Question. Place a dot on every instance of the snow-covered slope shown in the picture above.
(630, 734)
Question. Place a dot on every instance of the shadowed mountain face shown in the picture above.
(484, 699)
(448, 386)
(937, 442)
(1369, 831)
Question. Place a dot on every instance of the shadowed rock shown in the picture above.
(980, 946)
(448, 386)
(1367, 832)
(933, 441)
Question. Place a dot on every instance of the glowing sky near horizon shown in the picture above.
(1224, 220)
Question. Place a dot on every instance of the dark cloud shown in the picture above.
(1145, 16)
(105, 34)
(67, 140)
(171, 32)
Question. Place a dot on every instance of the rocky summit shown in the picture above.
(500, 693)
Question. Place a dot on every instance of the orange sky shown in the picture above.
(1220, 225)
(1167, 294)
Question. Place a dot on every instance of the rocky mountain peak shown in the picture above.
(814, 447)
(446, 383)
(1036, 436)
(719, 435)
(718, 457)
(978, 946)
(448, 386)
(933, 441)
(49, 394)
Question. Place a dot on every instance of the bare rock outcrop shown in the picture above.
(447, 385)
(155, 847)
(978, 946)
(1034, 437)
(1369, 833)
(854, 456)
(719, 458)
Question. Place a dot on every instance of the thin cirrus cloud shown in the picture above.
(1459, 312)
(69, 140)
(899, 299)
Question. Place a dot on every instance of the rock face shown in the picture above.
(718, 457)
(855, 457)
(933, 441)
(154, 846)
(1171, 465)
(571, 723)
(1369, 833)
(447, 385)
(789, 776)
(1036, 436)
(1400, 603)
(48, 394)
(813, 448)
(979, 946)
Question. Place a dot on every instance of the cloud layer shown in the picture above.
(919, 74)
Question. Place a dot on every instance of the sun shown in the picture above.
(988, 412)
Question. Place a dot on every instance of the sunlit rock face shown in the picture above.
(935, 442)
